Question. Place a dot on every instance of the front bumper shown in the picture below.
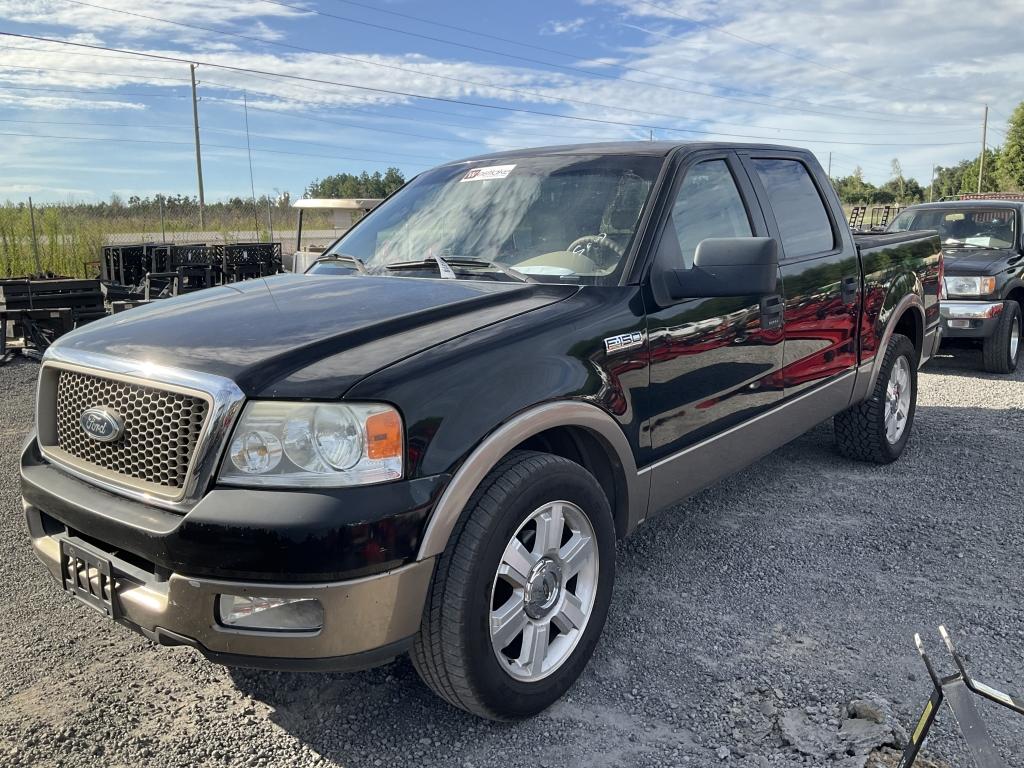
(365, 621)
(353, 549)
(970, 319)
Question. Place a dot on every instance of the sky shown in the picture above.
(350, 85)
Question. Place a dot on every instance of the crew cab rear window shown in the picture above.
(799, 211)
(708, 204)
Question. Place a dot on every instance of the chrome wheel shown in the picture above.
(897, 400)
(543, 592)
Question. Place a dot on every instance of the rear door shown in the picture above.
(820, 271)
(713, 363)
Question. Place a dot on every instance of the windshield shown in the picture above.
(549, 218)
(967, 227)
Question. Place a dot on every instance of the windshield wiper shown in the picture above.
(468, 261)
(357, 262)
(442, 266)
(445, 268)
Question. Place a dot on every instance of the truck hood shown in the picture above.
(264, 334)
(976, 261)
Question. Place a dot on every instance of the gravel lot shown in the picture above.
(753, 613)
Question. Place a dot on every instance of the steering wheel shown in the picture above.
(587, 244)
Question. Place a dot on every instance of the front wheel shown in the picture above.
(521, 592)
(878, 429)
(1001, 351)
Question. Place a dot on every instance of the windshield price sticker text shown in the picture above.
(487, 173)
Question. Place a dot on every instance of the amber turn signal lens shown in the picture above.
(383, 435)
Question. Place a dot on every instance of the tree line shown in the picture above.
(362, 185)
(1004, 172)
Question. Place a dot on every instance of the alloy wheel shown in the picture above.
(897, 400)
(543, 592)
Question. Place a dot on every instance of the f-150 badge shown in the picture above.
(623, 341)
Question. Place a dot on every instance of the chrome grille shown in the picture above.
(161, 428)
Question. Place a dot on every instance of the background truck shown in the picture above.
(984, 258)
(432, 440)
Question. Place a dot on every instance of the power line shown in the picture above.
(591, 73)
(555, 51)
(238, 89)
(530, 94)
(766, 46)
(233, 87)
(465, 102)
(90, 90)
(232, 147)
(4, 65)
(182, 127)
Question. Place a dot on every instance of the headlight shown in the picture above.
(314, 445)
(970, 286)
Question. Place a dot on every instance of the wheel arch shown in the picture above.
(1017, 294)
(906, 316)
(576, 430)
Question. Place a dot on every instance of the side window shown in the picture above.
(708, 204)
(799, 211)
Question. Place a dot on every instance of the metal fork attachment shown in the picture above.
(956, 690)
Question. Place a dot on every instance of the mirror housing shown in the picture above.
(727, 266)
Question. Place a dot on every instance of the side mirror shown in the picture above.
(727, 266)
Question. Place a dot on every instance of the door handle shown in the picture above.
(771, 312)
(850, 288)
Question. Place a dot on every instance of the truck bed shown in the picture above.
(873, 241)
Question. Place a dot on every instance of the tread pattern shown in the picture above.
(438, 653)
(860, 430)
(995, 349)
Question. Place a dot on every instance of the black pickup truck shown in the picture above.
(984, 258)
(431, 441)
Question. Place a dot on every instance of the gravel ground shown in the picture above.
(742, 625)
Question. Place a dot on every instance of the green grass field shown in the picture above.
(69, 237)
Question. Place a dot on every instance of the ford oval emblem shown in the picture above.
(102, 424)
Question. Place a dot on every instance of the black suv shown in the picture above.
(984, 257)
(432, 441)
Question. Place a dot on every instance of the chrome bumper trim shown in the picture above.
(970, 310)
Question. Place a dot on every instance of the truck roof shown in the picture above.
(644, 148)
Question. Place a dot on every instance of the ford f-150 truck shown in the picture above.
(432, 440)
(984, 258)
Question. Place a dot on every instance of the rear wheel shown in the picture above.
(1001, 351)
(878, 429)
(520, 595)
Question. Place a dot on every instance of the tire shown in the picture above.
(862, 431)
(454, 653)
(1000, 352)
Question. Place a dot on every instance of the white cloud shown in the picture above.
(567, 27)
(842, 72)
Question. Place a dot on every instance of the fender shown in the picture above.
(868, 372)
(521, 427)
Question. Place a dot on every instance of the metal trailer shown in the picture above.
(35, 311)
(345, 212)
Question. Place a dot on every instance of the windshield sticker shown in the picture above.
(487, 173)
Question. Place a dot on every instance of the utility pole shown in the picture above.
(830, 166)
(199, 153)
(931, 186)
(984, 138)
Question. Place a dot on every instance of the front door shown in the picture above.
(714, 362)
